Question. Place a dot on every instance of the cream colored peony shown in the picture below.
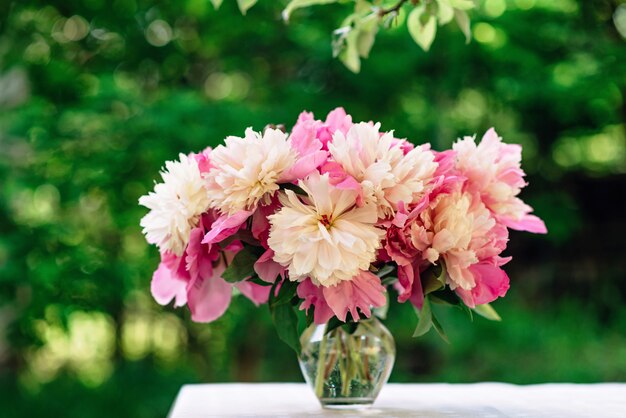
(324, 236)
(175, 205)
(387, 176)
(457, 227)
(247, 170)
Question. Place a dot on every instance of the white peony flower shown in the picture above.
(387, 176)
(175, 205)
(247, 170)
(324, 236)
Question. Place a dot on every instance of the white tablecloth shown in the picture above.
(606, 400)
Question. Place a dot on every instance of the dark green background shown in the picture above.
(90, 110)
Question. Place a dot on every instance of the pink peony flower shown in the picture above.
(491, 282)
(195, 278)
(361, 293)
(336, 121)
(493, 170)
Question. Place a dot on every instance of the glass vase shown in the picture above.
(348, 365)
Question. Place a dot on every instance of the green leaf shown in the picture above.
(434, 278)
(294, 188)
(368, 28)
(381, 312)
(332, 324)
(241, 267)
(298, 4)
(245, 5)
(462, 4)
(385, 270)
(439, 329)
(445, 12)
(462, 19)
(424, 319)
(285, 294)
(216, 3)
(445, 297)
(257, 280)
(488, 312)
(286, 323)
(422, 27)
(350, 54)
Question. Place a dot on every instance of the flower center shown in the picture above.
(326, 221)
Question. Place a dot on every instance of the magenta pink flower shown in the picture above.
(491, 282)
(195, 278)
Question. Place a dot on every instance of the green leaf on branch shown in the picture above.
(422, 27)
(245, 5)
(286, 324)
(462, 4)
(445, 12)
(368, 28)
(424, 319)
(242, 266)
(350, 53)
(462, 19)
(216, 3)
(298, 4)
(488, 312)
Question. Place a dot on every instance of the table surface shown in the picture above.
(605, 400)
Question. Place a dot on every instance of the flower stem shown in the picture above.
(321, 363)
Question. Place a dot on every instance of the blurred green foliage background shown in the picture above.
(95, 95)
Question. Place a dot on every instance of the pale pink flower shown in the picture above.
(379, 164)
(323, 235)
(493, 170)
(247, 171)
(175, 205)
(459, 225)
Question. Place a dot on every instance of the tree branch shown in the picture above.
(394, 9)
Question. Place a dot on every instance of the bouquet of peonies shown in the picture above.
(330, 218)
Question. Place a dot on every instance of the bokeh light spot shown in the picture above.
(159, 33)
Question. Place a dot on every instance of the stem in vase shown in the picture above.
(321, 363)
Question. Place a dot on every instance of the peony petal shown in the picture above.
(491, 283)
(529, 223)
(208, 299)
(362, 292)
(225, 226)
(267, 269)
(256, 293)
(313, 296)
(166, 286)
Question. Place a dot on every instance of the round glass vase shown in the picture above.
(348, 365)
